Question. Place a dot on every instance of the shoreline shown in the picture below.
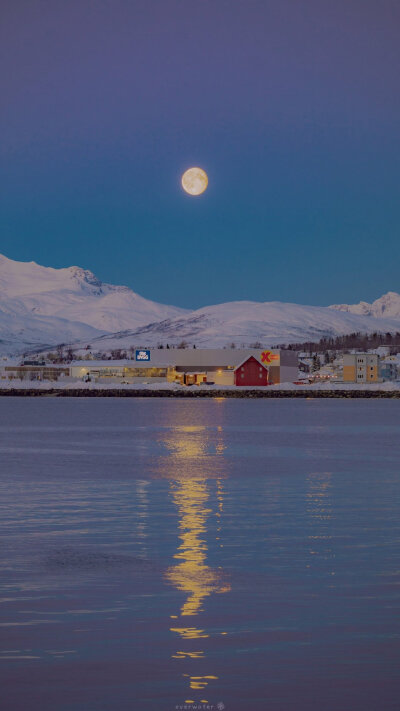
(252, 394)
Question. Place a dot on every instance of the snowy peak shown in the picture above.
(71, 294)
(84, 279)
(20, 278)
(387, 306)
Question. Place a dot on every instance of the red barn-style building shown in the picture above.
(251, 372)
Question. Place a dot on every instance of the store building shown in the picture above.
(190, 366)
(159, 365)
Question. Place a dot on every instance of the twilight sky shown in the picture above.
(291, 106)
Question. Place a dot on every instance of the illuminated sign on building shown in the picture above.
(142, 355)
(268, 357)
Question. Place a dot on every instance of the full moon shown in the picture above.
(194, 181)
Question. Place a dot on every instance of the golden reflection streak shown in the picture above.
(192, 575)
(191, 496)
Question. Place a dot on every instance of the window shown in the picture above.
(242, 374)
(260, 375)
(149, 372)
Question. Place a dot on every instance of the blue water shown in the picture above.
(158, 553)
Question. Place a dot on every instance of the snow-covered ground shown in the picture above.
(68, 384)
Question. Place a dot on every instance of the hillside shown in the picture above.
(245, 323)
(41, 307)
(45, 305)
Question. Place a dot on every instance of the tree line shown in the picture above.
(350, 341)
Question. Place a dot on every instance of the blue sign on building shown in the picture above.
(142, 355)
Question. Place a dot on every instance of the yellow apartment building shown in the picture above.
(361, 368)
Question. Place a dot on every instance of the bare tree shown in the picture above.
(60, 353)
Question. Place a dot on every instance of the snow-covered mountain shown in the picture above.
(41, 307)
(21, 332)
(387, 306)
(245, 323)
(45, 305)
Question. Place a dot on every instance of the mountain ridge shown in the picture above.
(245, 323)
(46, 306)
(71, 295)
(386, 306)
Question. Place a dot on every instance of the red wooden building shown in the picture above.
(251, 372)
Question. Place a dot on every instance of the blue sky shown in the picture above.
(292, 108)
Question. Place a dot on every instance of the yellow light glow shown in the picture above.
(189, 632)
(200, 682)
(191, 655)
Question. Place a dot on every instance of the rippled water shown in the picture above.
(157, 553)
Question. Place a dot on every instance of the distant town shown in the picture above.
(220, 367)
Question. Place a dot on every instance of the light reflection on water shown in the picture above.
(196, 499)
(199, 552)
(319, 509)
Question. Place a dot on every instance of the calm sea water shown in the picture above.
(226, 553)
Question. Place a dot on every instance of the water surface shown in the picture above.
(159, 553)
